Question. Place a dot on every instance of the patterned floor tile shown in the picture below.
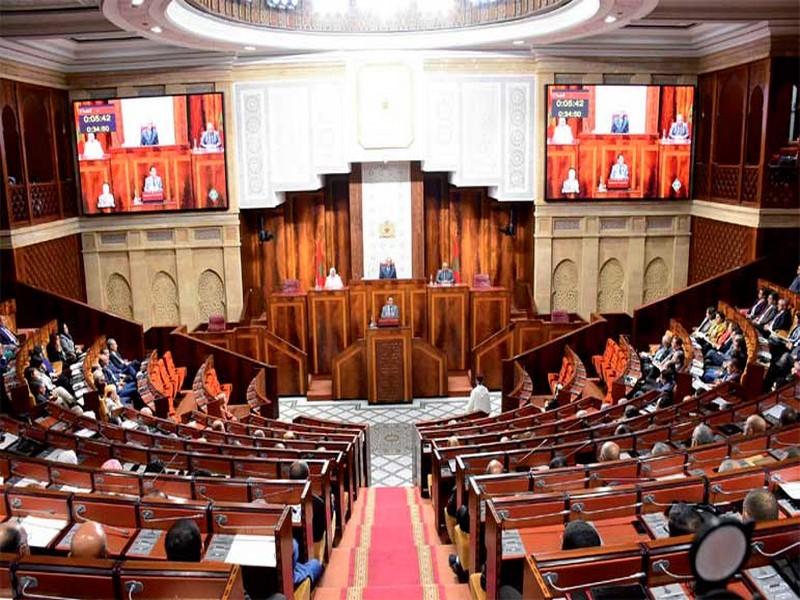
(391, 428)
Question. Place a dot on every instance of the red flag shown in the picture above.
(319, 266)
(456, 261)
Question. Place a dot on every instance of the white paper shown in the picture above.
(791, 489)
(253, 551)
(296, 514)
(41, 532)
(29, 482)
(85, 433)
(9, 439)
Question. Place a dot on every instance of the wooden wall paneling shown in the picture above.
(290, 364)
(337, 225)
(428, 371)
(490, 312)
(717, 246)
(437, 222)
(54, 265)
(419, 312)
(417, 222)
(329, 327)
(356, 236)
(288, 318)
(305, 218)
(347, 370)
(248, 342)
(359, 319)
(448, 319)
(488, 356)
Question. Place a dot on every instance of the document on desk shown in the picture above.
(41, 532)
(791, 489)
(252, 551)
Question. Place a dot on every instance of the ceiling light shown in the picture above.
(518, 42)
(610, 19)
(249, 48)
(137, 2)
(156, 29)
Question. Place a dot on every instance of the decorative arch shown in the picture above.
(210, 294)
(565, 287)
(611, 287)
(12, 145)
(119, 297)
(656, 280)
(38, 136)
(164, 300)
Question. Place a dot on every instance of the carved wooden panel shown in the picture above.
(54, 265)
(448, 311)
(717, 247)
(347, 370)
(288, 319)
(429, 370)
(389, 365)
(330, 327)
(490, 312)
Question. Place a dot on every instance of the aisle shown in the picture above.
(390, 550)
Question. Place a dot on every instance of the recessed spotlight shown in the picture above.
(156, 29)
(249, 48)
(610, 19)
(518, 42)
(137, 2)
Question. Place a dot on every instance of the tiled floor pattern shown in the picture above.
(391, 428)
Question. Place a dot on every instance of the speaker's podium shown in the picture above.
(389, 363)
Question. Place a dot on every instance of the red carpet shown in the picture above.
(390, 550)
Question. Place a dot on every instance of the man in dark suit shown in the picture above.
(7, 337)
(120, 365)
(760, 305)
(768, 313)
(620, 123)
(149, 135)
(387, 270)
(795, 285)
(782, 320)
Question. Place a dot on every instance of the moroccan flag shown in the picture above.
(319, 266)
(456, 266)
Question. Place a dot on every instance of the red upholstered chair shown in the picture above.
(290, 286)
(559, 316)
(481, 281)
(216, 323)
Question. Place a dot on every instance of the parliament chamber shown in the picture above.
(369, 299)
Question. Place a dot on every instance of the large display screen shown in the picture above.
(619, 142)
(147, 154)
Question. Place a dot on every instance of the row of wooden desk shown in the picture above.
(324, 323)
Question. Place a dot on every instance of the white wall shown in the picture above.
(136, 112)
(611, 99)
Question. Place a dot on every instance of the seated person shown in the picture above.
(210, 140)
(298, 471)
(760, 304)
(68, 343)
(713, 333)
(149, 135)
(390, 310)
(92, 148)
(661, 353)
(660, 448)
(714, 364)
(571, 185)
(89, 541)
(683, 519)
(55, 352)
(127, 390)
(731, 373)
(106, 198)
(727, 465)
(8, 339)
(609, 451)
(755, 425)
(619, 172)
(580, 534)
(333, 281)
(121, 365)
(559, 461)
(311, 569)
(679, 130)
(781, 321)
(702, 435)
(706, 323)
(40, 395)
(13, 539)
(721, 342)
(445, 275)
(760, 505)
(620, 122)
(184, 542)
(795, 285)
(783, 366)
(387, 270)
(562, 133)
(495, 467)
(769, 311)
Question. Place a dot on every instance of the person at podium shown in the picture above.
(619, 172)
(333, 281)
(92, 149)
(445, 275)
(562, 134)
(106, 198)
(390, 310)
(679, 130)
(210, 139)
(620, 123)
(153, 183)
(387, 270)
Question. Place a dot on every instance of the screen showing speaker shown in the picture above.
(619, 142)
(151, 154)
